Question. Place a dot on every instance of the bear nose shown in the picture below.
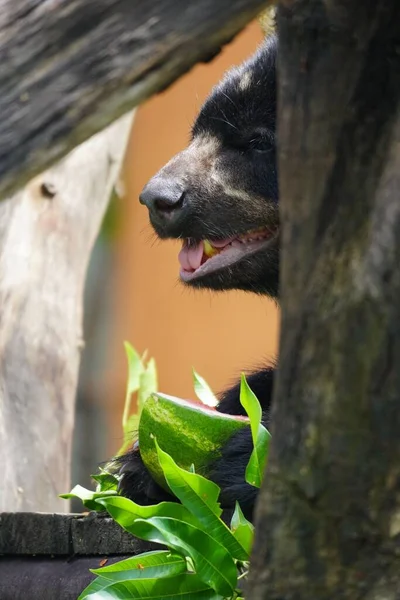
(162, 195)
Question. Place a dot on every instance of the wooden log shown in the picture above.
(46, 236)
(328, 522)
(71, 67)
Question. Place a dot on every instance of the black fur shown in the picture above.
(224, 184)
(229, 470)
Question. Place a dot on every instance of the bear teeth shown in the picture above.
(209, 250)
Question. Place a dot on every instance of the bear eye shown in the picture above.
(261, 144)
(260, 141)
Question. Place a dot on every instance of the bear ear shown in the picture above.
(267, 20)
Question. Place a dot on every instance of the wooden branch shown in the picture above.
(46, 235)
(328, 514)
(71, 67)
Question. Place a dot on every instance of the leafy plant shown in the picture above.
(203, 390)
(142, 379)
(261, 436)
(204, 559)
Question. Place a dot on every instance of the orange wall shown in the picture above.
(218, 333)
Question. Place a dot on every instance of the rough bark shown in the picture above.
(46, 235)
(329, 512)
(69, 68)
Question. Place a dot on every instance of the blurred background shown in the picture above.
(133, 293)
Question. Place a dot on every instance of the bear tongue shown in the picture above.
(190, 256)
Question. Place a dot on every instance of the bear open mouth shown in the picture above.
(199, 258)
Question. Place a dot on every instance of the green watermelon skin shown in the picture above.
(191, 433)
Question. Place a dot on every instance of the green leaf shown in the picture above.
(148, 382)
(96, 589)
(258, 458)
(131, 427)
(212, 562)
(242, 529)
(149, 565)
(261, 436)
(196, 484)
(200, 496)
(203, 390)
(181, 587)
(135, 369)
(142, 379)
(105, 481)
(88, 497)
(126, 512)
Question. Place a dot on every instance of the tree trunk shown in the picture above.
(46, 236)
(329, 513)
(70, 68)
